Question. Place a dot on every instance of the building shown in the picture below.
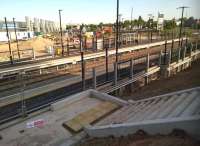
(36, 25)
(160, 23)
(23, 30)
(28, 28)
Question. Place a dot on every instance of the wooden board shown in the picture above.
(90, 116)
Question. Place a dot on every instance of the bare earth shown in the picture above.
(140, 138)
(189, 78)
(38, 44)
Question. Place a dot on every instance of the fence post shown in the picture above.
(103, 43)
(165, 57)
(147, 69)
(83, 70)
(191, 49)
(169, 62)
(131, 68)
(53, 52)
(179, 54)
(106, 64)
(94, 78)
(169, 57)
(160, 58)
(96, 43)
(184, 52)
(115, 73)
(196, 47)
(33, 51)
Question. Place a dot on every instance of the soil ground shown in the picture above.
(38, 44)
(140, 138)
(186, 79)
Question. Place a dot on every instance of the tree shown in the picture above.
(92, 27)
(190, 22)
(100, 25)
(126, 24)
(169, 24)
(140, 22)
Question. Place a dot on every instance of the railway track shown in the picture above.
(44, 100)
(35, 76)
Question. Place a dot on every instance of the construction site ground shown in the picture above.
(140, 138)
(38, 44)
(188, 78)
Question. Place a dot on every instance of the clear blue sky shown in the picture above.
(94, 11)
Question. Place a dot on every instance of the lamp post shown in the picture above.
(82, 30)
(150, 27)
(16, 38)
(181, 27)
(61, 34)
(131, 18)
(117, 32)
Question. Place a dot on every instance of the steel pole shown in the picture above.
(165, 57)
(106, 63)
(172, 47)
(10, 50)
(117, 31)
(83, 70)
(16, 38)
(181, 27)
(180, 34)
(131, 18)
(61, 33)
(80, 39)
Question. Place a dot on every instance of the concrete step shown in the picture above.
(155, 114)
(153, 109)
(132, 111)
(192, 107)
(197, 111)
(171, 107)
(113, 117)
(139, 113)
(117, 116)
(184, 104)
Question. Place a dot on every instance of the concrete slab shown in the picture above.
(46, 128)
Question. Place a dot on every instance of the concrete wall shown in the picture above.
(190, 125)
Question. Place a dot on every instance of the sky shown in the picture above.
(94, 11)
